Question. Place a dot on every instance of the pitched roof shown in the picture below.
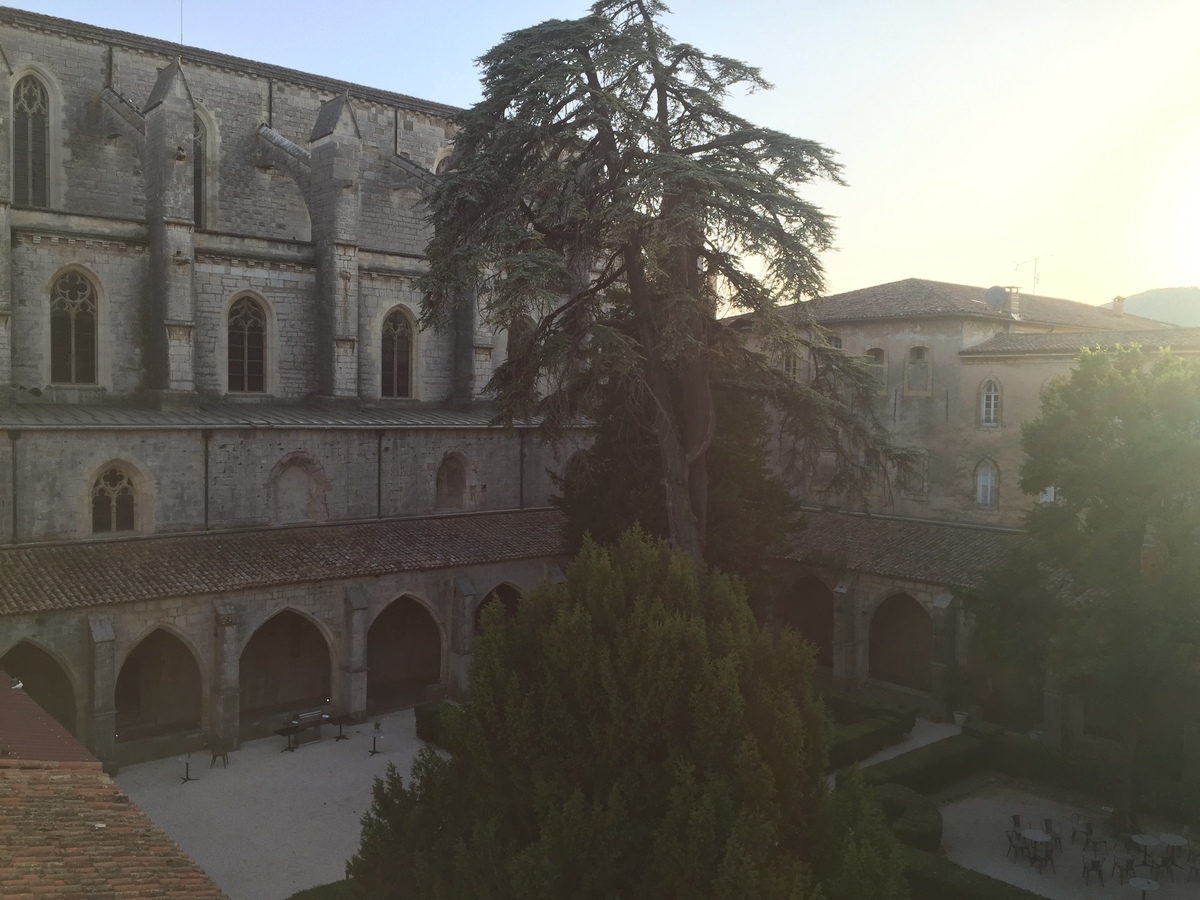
(953, 555)
(921, 297)
(1069, 343)
(243, 415)
(89, 574)
(67, 831)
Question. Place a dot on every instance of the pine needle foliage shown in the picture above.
(604, 189)
(629, 734)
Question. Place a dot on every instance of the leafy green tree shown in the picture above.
(629, 734)
(603, 189)
(1104, 591)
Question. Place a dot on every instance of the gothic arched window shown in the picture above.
(113, 503)
(989, 404)
(73, 330)
(987, 486)
(31, 143)
(247, 346)
(199, 137)
(397, 355)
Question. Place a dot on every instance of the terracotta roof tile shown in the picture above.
(68, 832)
(933, 552)
(93, 573)
(1070, 343)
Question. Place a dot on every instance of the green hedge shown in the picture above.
(850, 709)
(854, 743)
(914, 819)
(933, 877)
(429, 720)
(933, 766)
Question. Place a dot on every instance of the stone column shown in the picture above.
(944, 617)
(102, 728)
(225, 701)
(462, 632)
(170, 211)
(352, 700)
(846, 637)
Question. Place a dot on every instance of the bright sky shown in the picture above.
(975, 136)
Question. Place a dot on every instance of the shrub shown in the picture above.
(853, 743)
(914, 819)
(850, 709)
(932, 766)
(933, 877)
(429, 720)
(981, 729)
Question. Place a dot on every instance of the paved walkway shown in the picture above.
(272, 823)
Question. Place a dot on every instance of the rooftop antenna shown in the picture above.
(1017, 265)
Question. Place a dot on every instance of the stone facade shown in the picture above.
(204, 252)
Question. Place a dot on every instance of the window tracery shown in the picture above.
(73, 330)
(31, 143)
(113, 503)
(247, 346)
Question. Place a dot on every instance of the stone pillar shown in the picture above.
(466, 313)
(102, 728)
(170, 211)
(335, 149)
(944, 618)
(846, 637)
(225, 706)
(462, 632)
(352, 700)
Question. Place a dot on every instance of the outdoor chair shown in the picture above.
(1019, 822)
(1090, 841)
(1123, 858)
(1016, 845)
(1092, 865)
(1194, 868)
(1048, 827)
(1079, 825)
(1161, 861)
(1046, 859)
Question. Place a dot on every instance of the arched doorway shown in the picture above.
(284, 668)
(1010, 695)
(404, 655)
(45, 681)
(808, 608)
(506, 595)
(158, 689)
(901, 649)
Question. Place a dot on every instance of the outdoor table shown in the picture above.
(1145, 841)
(339, 721)
(1173, 841)
(1035, 836)
(1143, 885)
(289, 732)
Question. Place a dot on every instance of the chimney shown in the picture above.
(1118, 305)
(1013, 304)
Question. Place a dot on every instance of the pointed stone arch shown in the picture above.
(47, 680)
(900, 644)
(285, 665)
(809, 608)
(506, 594)
(160, 687)
(406, 652)
(298, 491)
(451, 486)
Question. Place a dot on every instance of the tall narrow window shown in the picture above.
(112, 502)
(916, 375)
(451, 484)
(247, 346)
(31, 143)
(199, 136)
(989, 404)
(397, 355)
(73, 330)
(987, 488)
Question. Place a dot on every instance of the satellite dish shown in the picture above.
(996, 296)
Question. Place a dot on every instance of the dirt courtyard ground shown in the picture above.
(273, 823)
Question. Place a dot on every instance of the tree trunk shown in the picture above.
(681, 520)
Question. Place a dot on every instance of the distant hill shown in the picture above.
(1178, 306)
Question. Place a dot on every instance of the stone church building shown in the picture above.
(237, 481)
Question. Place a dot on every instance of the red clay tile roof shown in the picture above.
(953, 555)
(28, 732)
(68, 832)
(921, 297)
(88, 574)
(1069, 343)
